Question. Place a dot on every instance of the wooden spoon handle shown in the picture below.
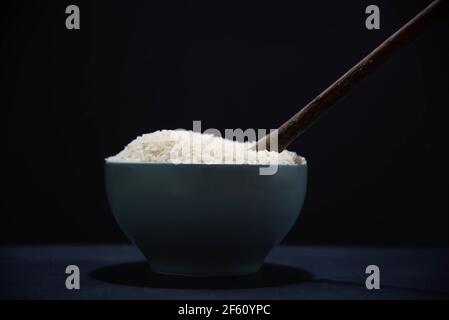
(302, 120)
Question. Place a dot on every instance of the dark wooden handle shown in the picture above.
(302, 120)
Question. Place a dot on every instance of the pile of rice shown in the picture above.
(175, 146)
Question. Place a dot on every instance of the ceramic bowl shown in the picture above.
(205, 219)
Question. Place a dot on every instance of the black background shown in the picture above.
(377, 162)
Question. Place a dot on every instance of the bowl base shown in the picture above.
(223, 274)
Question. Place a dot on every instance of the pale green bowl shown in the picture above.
(205, 220)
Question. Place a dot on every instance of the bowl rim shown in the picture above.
(125, 162)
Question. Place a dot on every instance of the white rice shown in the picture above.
(175, 146)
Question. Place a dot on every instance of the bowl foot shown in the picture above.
(204, 273)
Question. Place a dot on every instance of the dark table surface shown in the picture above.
(290, 272)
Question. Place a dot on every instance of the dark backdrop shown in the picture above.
(378, 169)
